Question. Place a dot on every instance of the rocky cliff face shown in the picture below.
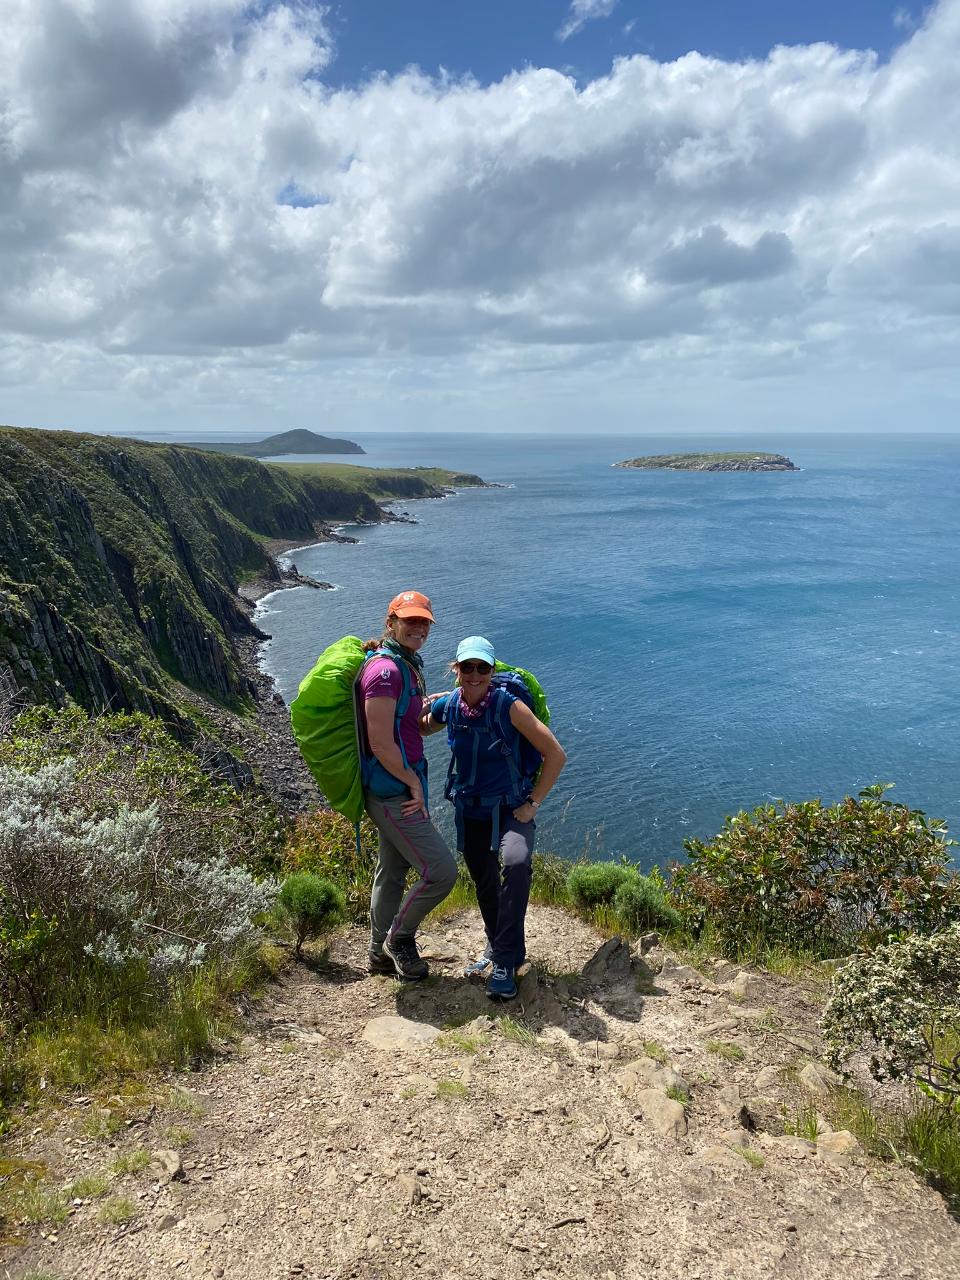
(120, 561)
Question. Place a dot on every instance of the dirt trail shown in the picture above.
(494, 1152)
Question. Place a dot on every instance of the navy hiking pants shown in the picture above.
(502, 877)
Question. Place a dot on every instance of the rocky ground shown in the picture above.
(624, 1118)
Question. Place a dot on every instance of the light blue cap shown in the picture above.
(475, 647)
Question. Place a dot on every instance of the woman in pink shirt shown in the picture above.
(392, 697)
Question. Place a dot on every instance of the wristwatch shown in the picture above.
(533, 803)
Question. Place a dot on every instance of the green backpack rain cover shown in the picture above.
(537, 696)
(324, 720)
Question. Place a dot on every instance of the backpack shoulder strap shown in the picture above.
(406, 679)
(406, 693)
(499, 714)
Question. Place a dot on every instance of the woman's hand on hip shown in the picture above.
(525, 812)
(410, 808)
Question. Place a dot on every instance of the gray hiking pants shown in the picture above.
(404, 843)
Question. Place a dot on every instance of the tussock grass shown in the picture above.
(804, 1123)
(89, 1187)
(178, 1136)
(113, 1041)
(459, 1042)
(130, 1162)
(655, 1050)
(515, 1029)
(726, 1050)
(117, 1211)
(677, 1094)
(184, 1103)
(922, 1136)
(100, 1124)
(451, 1089)
(33, 1204)
(753, 1158)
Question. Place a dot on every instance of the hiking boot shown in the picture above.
(502, 983)
(379, 962)
(406, 959)
(477, 968)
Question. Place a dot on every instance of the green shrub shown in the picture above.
(324, 843)
(130, 759)
(642, 902)
(594, 884)
(312, 905)
(87, 900)
(128, 912)
(902, 1003)
(549, 886)
(819, 879)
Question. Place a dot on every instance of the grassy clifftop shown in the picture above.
(119, 559)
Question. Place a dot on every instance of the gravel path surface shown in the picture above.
(550, 1143)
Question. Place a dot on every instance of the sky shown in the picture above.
(379, 215)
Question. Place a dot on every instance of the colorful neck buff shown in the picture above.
(413, 660)
(478, 710)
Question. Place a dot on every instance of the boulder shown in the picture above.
(721, 1156)
(792, 1147)
(673, 973)
(663, 1114)
(818, 1080)
(166, 1166)
(605, 1050)
(392, 1033)
(766, 1115)
(645, 1073)
(743, 986)
(610, 963)
(837, 1148)
(768, 1078)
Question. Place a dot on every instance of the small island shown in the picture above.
(298, 441)
(711, 462)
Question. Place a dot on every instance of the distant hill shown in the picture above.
(298, 441)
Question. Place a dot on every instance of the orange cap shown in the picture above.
(411, 604)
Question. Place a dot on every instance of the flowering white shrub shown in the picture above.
(902, 1003)
(76, 890)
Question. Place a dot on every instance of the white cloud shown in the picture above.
(191, 220)
(582, 12)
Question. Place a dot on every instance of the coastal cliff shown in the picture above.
(710, 462)
(121, 560)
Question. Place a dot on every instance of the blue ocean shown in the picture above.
(708, 641)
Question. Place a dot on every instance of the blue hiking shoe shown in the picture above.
(502, 983)
(477, 968)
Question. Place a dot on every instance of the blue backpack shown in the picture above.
(491, 763)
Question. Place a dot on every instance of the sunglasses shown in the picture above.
(468, 668)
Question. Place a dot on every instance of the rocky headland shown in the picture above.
(710, 462)
(124, 567)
